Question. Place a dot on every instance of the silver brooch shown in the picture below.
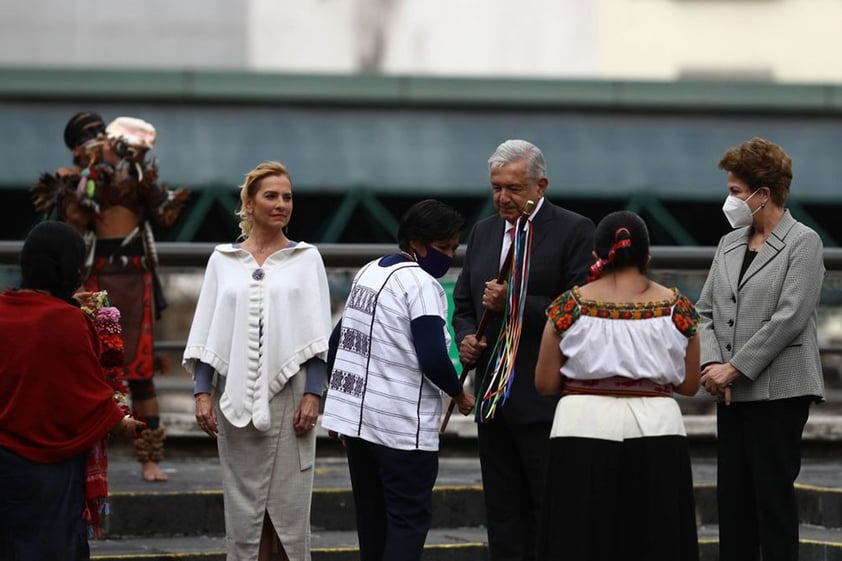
(258, 274)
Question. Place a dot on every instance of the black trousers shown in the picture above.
(393, 499)
(513, 460)
(41, 509)
(759, 457)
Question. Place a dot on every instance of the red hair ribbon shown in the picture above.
(597, 268)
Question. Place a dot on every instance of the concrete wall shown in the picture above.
(441, 37)
(781, 40)
(118, 33)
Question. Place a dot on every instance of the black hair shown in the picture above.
(429, 221)
(617, 227)
(52, 258)
(82, 127)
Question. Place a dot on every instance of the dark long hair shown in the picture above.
(52, 258)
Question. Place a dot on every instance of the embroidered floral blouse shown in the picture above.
(644, 340)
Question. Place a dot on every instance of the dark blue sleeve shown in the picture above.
(203, 378)
(332, 345)
(428, 337)
(315, 376)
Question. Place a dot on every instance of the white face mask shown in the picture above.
(737, 211)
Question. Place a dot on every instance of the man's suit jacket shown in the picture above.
(561, 255)
(765, 324)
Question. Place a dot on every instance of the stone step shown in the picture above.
(182, 518)
(452, 544)
(175, 394)
(815, 544)
(191, 502)
(198, 513)
(822, 433)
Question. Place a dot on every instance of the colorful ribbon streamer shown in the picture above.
(501, 369)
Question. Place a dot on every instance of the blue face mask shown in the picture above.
(435, 262)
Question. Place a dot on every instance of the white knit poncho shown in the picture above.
(289, 299)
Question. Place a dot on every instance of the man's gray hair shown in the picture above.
(517, 150)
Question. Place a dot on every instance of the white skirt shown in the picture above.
(616, 418)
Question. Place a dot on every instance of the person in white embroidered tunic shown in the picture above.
(257, 350)
(389, 364)
(619, 484)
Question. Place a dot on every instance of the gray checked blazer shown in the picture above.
(765, 326)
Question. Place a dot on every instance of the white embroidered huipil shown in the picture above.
(597, 345)
(256, 326)
(377, 390)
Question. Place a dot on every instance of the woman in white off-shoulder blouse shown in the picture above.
(619, 484)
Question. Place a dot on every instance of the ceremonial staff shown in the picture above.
(503, 274)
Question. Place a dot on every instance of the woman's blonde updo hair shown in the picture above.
(249, 188)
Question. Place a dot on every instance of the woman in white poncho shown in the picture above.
(257, 350)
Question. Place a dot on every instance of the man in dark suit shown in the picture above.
(513, 445)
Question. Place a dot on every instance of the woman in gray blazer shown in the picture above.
(759, 353)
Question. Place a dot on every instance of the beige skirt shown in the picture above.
(269, 471)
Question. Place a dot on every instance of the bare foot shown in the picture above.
(151, 472)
